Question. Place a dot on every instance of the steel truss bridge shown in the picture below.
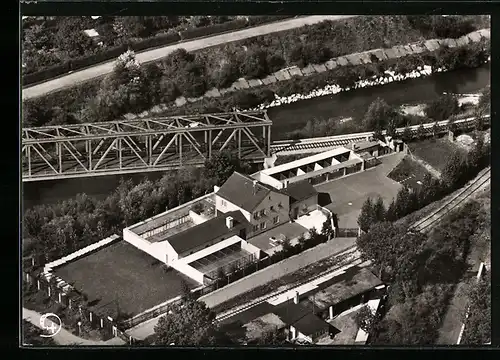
(142, 145)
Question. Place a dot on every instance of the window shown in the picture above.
(263, 225)
(271, 208)
(262, 213)
(276, 219)
(256, 228)
(223, 202)
(256, 215)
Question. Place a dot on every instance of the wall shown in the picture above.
(311, 204)
(351, 162)
(196, 218)
(214, 248)
(229, 206)
(187, 270)
(156, 250)
(266, 179)
(250, 248)
(273, 199)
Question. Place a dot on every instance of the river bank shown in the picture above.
(287, 118)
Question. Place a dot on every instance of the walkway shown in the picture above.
(64, 337)
(74, 78)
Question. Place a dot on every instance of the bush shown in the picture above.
(259, 20)
(156, 41)
(213, 29)
(442, 108)
(45, 74)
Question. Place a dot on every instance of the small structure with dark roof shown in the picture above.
(302, 323)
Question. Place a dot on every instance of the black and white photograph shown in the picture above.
(255, 180)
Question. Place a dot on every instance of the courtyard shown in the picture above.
(123, 277)
(347, 194)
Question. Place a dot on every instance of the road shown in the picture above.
(77, 77)
(64, 337)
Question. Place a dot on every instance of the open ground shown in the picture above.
(347, 195)
(122, 276)
(435, 152)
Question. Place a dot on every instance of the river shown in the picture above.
(288, 118)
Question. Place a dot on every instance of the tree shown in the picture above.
(327, 229)
(276, 337)
(31, 336)
(442, 108)
(222, 165)
(378, 115)
(455, 170)
(435, 129)
(406, 136)
(255, 64)
(188, 322)
(478, 324)
(391, 128)
(478, 122)
(71, 38)
(420, 132)
(365, 319)
(379, 210)
(484, 104)
(367, 217)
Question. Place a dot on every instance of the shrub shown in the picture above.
(442, 108)
(213, 29)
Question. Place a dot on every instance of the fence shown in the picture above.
(104, 324)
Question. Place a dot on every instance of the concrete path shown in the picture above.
(104, 68)
(64, 337)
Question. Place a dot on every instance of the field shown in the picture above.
(121, 276)
(408, 172)
(435, 152)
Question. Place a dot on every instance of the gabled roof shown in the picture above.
(239, 190)
(205, 232)
(302, 318)
(299, 191)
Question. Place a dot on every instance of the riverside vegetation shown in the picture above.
(192, 74)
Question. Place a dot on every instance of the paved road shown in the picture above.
(155, 54)
(64, 337)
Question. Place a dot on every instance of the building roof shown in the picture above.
(307, 160)
(345, 286)
(205, 232)
(302, 318)
(299, 191)
(239, 190)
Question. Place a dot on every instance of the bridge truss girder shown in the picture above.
(142, 145)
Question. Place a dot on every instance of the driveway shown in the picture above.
(77, 77)
(64, 337)
(348, 194)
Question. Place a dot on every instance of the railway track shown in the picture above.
(430, 221)
(349, 252)
(330, 142)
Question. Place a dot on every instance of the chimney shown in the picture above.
(254, 186)
(229, 222)
(296, 298)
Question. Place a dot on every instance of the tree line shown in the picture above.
(421, 272)
(459, 169)
(192, 74)
(53, 231)
(54, 41)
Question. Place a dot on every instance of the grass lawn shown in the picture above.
(408, 172)
(433, 151)
(125, 276)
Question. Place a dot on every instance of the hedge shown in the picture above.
(48, 73)
(258, 20)
(213, 29)
(159, 40)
